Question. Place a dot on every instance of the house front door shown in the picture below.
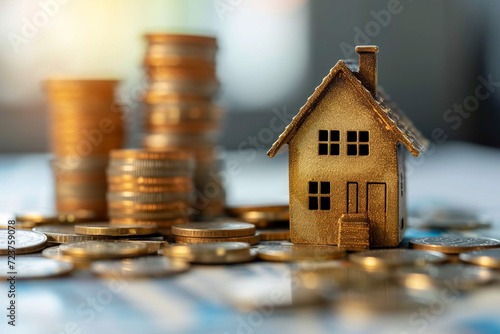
(376, 209)
(352, 197)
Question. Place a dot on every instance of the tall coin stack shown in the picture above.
(85, 125)
(150, 187)
(179, 111)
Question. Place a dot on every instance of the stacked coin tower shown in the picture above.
(150, 187)
(85, 126)
(179, 112)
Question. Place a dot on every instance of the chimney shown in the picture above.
(367, 73)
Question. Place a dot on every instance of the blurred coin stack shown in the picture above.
(179, 111)
(85, 125)
(150, 187)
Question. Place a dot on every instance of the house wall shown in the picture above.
(341, 108)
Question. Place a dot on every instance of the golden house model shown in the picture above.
(346, 160)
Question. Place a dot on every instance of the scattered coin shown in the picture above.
(458, 276)
(274, 234)
(55, 253)
(384, 258)
(141, 267)
(22, 241)
(251, 239)
(213, 230)
(31, 267)
(300, 253)
(103, 249)
(153, 246)
(115, 230)
(453, 244)
(64, 233)
(212, 253)
(484, 257)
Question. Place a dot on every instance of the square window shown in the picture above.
(313, 203)
(352, 149)
(352, 136)
(313, 187)
(364, 136)
(323, 149)
(335, 135)
(323, 135)
(364, 149)
(325, 203)
(334, 149)
(325, 187)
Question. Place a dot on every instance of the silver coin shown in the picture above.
(453, 244)
(484, 257)
(448, 218)
(29, 267)
(21, 241)
(396, 257)
(152, 266)
(458, 276)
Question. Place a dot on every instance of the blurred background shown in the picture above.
(272, 54)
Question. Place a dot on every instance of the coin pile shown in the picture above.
(85, 125)
(150, 187)
(179, 112)
(205, 232)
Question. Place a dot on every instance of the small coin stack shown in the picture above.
(205, 232)
(179, 112)
(150, 187)
(85, 126)
(273, 222)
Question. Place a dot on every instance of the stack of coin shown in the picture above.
(204, 232)
(273, 221)
(85, 126)
(179, 112)
(150, 187)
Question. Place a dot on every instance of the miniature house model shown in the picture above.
(346, 160)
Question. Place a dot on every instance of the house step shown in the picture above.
(354, 231)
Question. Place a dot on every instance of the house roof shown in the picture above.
(394, 119)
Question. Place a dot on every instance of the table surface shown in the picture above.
(455, 175)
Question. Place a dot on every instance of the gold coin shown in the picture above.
(153, 245)
(55, 253)
(213, 230)
(251, 239)
(36, 217)
(31, 267)
(141, 267)
(484, 257)
(261, 213)
(159, 223)
(300, 253)
(274, 234)
(179, 38)
(384, 258)
(103, 249)
(115, 230)
(150, 181)
(453, 244)
(149, 189)
(148, 207)
(460, 276)
(64, 233)
(151, 155)
(212, 252)
(14, 242)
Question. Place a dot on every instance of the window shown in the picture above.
(358, 143)
(329, 141)
(319, 195)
